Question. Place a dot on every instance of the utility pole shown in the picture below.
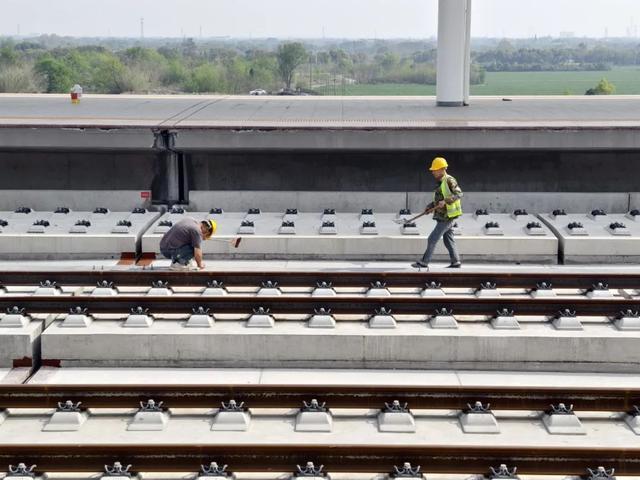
(142, 27)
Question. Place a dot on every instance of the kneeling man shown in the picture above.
(183, 243)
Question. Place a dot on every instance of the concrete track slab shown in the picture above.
(20, 346)
(73, 234)
(15, 375)
(514, 244)
(320, 376)
(597, 242)
(217, 264)
(431, 430)
(291, 344)
(392, 202)
(507, 202)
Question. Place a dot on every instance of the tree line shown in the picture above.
(53, 64)
(505, 57)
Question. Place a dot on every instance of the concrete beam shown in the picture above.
(532, 138)
(399, 139)
(35, 138)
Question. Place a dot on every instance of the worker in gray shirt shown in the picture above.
(183, 243)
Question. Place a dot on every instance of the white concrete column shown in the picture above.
(454, 52)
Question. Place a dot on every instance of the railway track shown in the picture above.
(473, 459)
(336, 279)
(443, 457)
(336, 396)
(184, 304)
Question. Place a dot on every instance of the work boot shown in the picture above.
(192, 265)
(179, 267)
(455, 265)
(420, 265)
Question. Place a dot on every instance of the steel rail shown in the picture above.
(310, 279)
(336, 396)
(306, 305)
(471, 459)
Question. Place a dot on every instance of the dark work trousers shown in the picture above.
(181, 255)
(443, 229)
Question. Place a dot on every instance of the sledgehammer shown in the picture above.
(232, 241)
(404, 221)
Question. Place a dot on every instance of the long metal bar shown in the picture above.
(307, 305)
(337, 278)
(336, 396)
(336, 458)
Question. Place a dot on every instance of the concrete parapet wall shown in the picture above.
(406, 171)
(352, 173)
(78, 170)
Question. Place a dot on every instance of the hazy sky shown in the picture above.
(303, 18)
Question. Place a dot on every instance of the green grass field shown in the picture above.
(626, 80)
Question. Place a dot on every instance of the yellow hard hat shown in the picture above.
(213, 226)
(438, 163)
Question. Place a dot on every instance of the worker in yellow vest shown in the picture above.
(446, 208)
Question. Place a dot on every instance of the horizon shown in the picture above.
(301, 38)
(283, 19)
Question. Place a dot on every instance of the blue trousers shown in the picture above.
(442, 230)
(181, 255)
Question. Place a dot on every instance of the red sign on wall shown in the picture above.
(145, 194)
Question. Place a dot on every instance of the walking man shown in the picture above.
(183, 242)
(446, 208)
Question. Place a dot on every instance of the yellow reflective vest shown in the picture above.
(454, 210)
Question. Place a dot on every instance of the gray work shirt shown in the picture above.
(184, 232)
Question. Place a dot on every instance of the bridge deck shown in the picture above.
(321, 123)
(193, 111)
